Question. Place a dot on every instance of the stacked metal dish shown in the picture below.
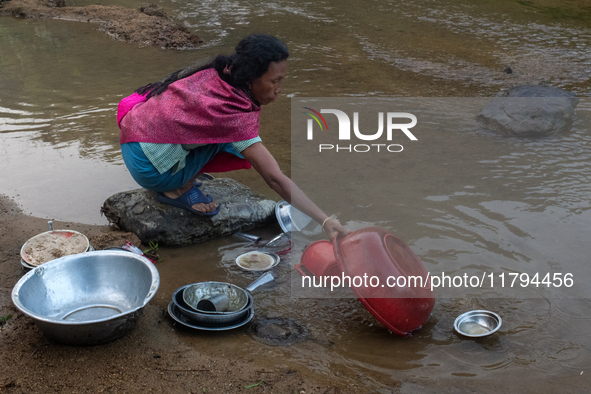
(186, 305)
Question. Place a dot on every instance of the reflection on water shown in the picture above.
(475, 199)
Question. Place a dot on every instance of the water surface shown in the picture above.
(475, 199)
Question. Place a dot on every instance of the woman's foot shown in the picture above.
(192, 199)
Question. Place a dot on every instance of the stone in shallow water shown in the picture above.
(140, 212)
(278, 331)
(530, 110)
(273, 331)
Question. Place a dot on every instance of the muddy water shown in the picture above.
(477, 196)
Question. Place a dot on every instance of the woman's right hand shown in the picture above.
(332, 227)
(266, 165)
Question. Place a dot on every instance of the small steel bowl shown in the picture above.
(477, 324)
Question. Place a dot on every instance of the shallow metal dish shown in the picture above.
(87, 298)
(27, 267)
(84, 246)
(274, 261)
(289, 218)
(176, 314)
(478, 323)
(209, 319)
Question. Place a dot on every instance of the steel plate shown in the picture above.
(174, 312)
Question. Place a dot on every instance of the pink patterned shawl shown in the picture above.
(199, 109)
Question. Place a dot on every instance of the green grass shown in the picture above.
(253, 385)
(4, 319)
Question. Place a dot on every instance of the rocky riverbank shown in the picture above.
(149, 25)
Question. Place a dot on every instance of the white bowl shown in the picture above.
(257, 261)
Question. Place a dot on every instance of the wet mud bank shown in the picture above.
(149, 25)
(153, 357)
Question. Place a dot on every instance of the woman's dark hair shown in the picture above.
(251, 60)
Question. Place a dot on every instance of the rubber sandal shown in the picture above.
(190, 198)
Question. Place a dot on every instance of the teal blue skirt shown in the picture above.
(148, 177)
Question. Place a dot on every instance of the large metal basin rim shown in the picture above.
(51, 264)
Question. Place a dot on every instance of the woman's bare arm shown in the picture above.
(265, 164)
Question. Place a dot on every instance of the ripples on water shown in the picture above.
(447, 41)
(540, 337)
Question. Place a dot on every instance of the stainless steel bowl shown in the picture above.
(207, 318)
(192, 294)
(478, 323)
(87, 298)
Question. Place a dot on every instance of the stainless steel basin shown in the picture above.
(87, 298)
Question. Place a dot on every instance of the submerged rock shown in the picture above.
(140, 212)
(278, 331)
(530, 111)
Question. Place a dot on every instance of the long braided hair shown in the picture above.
(250, 61)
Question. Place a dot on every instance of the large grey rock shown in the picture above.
(140, 212)
(530, 111)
